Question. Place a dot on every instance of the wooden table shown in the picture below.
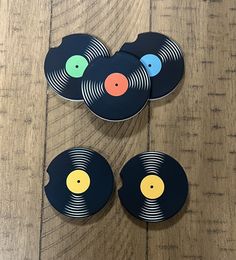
(196, 125)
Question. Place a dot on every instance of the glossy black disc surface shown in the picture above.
(81, 182)
(64, 65)
(155, 186)
(116, 88)
(162, 58)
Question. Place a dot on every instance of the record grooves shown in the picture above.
(116, 88)
(155, 186)
(64, 65)
(162, 58)
(81, 182)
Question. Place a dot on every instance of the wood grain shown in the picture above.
(24, 27)
(196, 126)
(110, 234)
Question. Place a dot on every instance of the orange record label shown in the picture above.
(116, 84)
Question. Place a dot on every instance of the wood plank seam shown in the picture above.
(45, 144)
(149, 130)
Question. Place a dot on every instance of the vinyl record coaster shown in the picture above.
(81, 182)
(155, 186)
(162, 58)
(116, 88)
(64, 65)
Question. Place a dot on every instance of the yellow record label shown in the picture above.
(78, 181)
(152, 186)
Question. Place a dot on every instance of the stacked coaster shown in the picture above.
(114, 87)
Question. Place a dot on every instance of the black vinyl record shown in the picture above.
(64, 65)
(116, 88)
(155, 186)
(162, 58)
(81, 182)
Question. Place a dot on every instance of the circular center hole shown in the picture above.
(77, 66)
(151, 186)
(149, 65)
(78, 181)
(116, 84)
